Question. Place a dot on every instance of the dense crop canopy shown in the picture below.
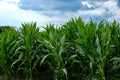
(74, 51)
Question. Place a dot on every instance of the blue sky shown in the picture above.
(14, 12)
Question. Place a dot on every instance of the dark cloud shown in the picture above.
(62, 5)
(118, 3)
(69, 6)
(30, 4)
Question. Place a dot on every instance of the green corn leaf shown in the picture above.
(65, 72)
(43, 59)
(72, 57)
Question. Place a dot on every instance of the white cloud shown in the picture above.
(11, 14)
(86, 3)
(102, 8)
(13, 1)
(4, 5)
(87, 13)
(113, 9)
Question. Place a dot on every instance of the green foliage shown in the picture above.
(27, 41)
(74, 51)
(8, 45)
(55, 43)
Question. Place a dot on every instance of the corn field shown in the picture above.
(73, 51)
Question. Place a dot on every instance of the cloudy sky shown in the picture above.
(14, 12)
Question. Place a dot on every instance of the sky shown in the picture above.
(15, 12)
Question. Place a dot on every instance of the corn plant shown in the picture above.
(72, 61)
(94, 44)
(8, 47)
(115, 50)
(27, 53)
(55, 44)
